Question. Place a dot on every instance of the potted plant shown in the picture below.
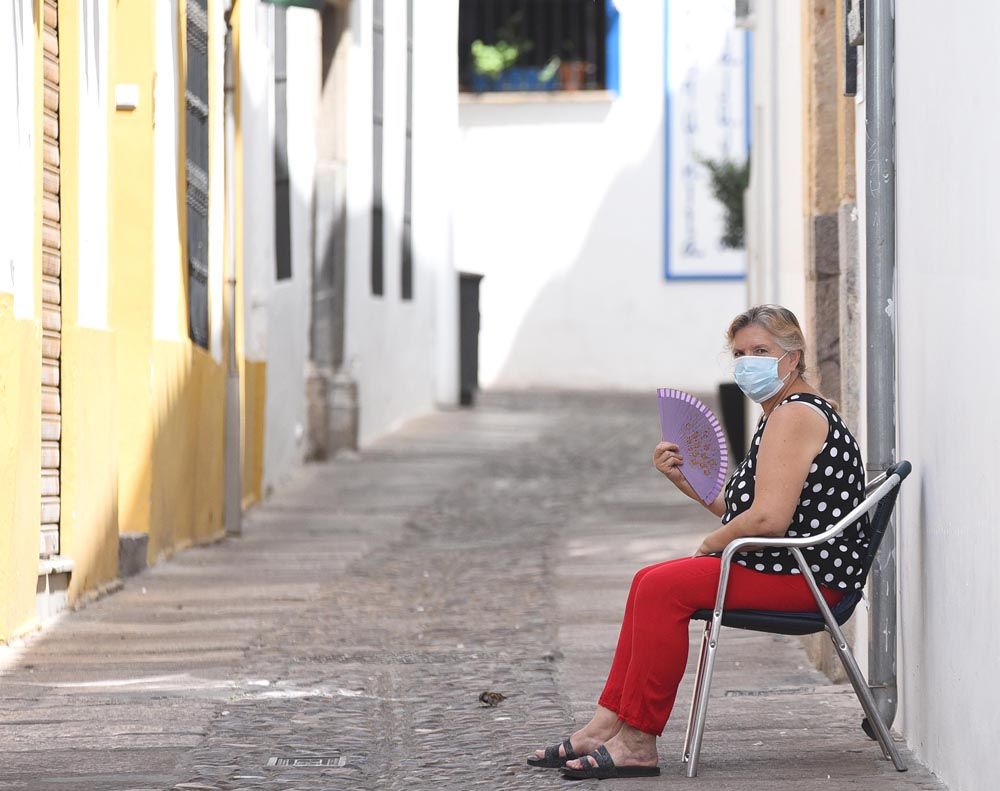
(730, 180)
(573, 70)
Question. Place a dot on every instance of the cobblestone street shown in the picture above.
(371, 600)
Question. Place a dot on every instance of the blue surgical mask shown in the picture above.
(758, 376)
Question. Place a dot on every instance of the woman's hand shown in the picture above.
(667, 459)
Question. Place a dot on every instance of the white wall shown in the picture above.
(560, 206)
(17, 156)
(278, 312)
(775, 223)
(169, 289)
(216, 176)
(435, 139)
(398, 350)
(948, 249)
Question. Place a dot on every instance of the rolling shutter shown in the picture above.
(51, 287)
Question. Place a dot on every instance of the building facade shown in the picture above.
(942, 306)
(197, 190)
(589, 215)
(112, 379)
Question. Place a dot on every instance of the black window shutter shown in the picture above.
(282, 196)
(378, 57)
(196, 169)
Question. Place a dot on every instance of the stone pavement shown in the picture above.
(343, 641)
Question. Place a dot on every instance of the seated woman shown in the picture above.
(803, 471)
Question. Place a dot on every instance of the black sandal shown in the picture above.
(552, 759)
(606, 768)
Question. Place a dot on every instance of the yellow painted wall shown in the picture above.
(143, 418)
(171, 394)
(20, 465)
(130, 250)
(254, 382)
(187, 470)
(20, 420)
(89, 527)
(89, 475)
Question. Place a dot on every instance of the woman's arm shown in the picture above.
(719, 506)
(792, 439)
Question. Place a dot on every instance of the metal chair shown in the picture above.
(880, 494)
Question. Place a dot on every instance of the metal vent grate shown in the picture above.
(337, 762)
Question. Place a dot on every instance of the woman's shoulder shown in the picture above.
(807, 396)
(801, 414)
(822, 410)
(812, 401)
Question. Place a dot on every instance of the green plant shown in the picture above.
(550, 69)
(492, 60)
(729, 181)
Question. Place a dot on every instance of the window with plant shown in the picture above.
(532, 45)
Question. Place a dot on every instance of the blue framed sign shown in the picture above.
(707, 68)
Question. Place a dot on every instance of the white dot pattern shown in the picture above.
(832, 484)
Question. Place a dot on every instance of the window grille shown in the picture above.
(560, 44)
(196, 168)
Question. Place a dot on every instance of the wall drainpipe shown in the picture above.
(232, 510)
(880, 250)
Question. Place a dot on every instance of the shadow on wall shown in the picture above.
(609, 319)
(150, 467)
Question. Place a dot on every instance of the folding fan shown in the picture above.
(690, 424)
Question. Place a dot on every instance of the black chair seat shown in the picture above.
(778, 622)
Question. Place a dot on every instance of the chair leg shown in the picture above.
(698, 675)
(861, 688)
(867, 700)
(701, 701)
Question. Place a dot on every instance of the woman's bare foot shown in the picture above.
(602, 726)
(629, 747)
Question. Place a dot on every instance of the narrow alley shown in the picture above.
(343, 641)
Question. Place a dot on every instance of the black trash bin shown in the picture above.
(468, 337)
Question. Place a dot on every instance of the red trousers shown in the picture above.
(653, 643)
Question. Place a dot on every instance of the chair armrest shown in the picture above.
(893, 477)
(866, 505)
(874, 483)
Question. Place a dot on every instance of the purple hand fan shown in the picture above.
(690, 424)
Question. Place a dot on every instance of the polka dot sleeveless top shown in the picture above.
(835, 485)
